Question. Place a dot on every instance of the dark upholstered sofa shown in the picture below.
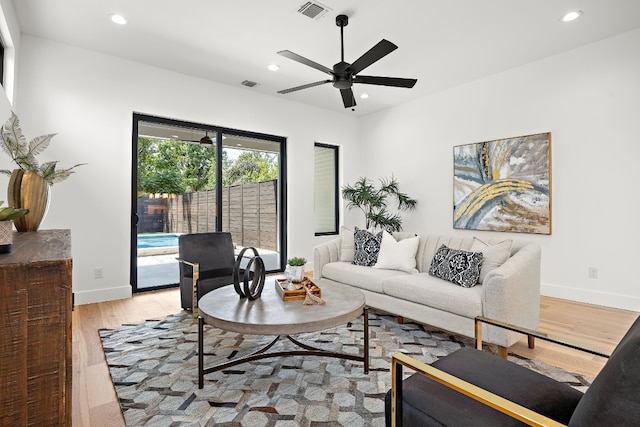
(613, 399)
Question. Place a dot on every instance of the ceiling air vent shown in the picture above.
(313, 10)
(249, 83)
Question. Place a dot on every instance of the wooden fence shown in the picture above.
(249, 212)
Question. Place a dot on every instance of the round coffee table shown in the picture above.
(270, 315)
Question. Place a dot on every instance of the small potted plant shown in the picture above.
(296, 266)
(30, 184)
(7, 215)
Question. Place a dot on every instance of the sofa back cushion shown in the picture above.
(347, 245)
(613, 398)
(493, 254)
(430, 244)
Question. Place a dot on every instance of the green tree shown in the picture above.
(178, 167)
(174, 166)
(199, 167)
(251, 166)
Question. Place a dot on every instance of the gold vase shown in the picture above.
(28, 190)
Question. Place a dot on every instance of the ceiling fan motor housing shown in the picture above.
(341, 78)
(342, 20)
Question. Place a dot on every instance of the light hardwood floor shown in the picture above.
(95, 402)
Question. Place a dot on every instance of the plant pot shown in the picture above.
(6, 237)
(298, 273)
(28, 190)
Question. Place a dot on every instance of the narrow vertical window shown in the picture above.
(326, 189)
(1, 62)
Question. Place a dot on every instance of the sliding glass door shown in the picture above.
(250, 194)
(195, 178)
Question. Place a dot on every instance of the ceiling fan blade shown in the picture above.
(305, 61)
(347, 98)
(385, 81)
(308, 85)
(377, 52)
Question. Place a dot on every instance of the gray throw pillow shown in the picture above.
(347, 245)
(456, 266)
(493, 255)
(367, 247)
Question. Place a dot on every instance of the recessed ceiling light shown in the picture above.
(118, 19)
(571, 16)
(273, 67)
(364, 96)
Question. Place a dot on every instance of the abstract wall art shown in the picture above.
(503, 185)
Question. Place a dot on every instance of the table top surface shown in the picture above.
(270, 315)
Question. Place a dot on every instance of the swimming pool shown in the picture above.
(159, 240)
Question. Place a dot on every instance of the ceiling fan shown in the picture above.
(344, 75)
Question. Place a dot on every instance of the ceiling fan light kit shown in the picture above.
(344, 75)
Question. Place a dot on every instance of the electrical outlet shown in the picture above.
(593, 273)
(97, 273)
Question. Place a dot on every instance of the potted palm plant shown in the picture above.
(30, 184)
(8, 214)
(372, 201)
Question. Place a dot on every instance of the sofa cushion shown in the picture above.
(347, 245)
(427, 290)
(398, 255)
(456, 266)
(493, 255)
(359, 276)
(430, 243)
(367, 247)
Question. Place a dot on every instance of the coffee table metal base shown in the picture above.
(262, 352)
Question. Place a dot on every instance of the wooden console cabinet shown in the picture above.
(35, 330)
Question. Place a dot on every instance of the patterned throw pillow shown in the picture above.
(456, 266)
(367, 247)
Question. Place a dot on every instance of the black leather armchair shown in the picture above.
(206, 263)
(473, 388)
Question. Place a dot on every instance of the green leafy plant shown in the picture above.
(297, 261)
(14, 143)
(8, 213)
(373, 202)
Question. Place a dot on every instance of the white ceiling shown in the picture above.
(442, 43)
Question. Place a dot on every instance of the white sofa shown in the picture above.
(510, 292)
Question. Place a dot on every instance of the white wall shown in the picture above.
(88, 99)
(589, 98)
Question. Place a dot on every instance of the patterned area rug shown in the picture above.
(154, 367)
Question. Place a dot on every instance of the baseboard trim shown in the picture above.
(100, 295)
(624, 302)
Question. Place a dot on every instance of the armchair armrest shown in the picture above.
(529, 332)
(325, 253)
(196, 277)
(485, 397)
(521, 413)
(511, 293)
